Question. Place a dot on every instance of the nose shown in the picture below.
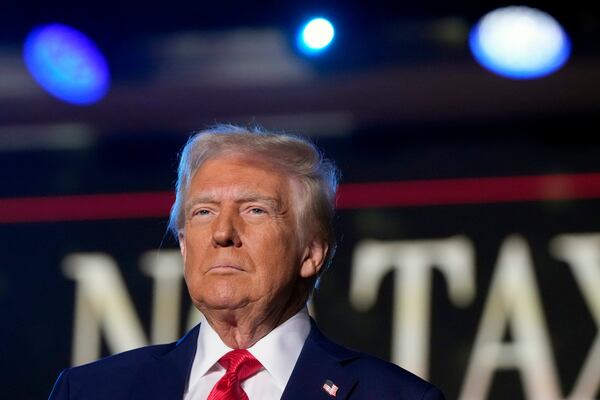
(225, 232)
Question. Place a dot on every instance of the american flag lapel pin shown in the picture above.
(330, 388)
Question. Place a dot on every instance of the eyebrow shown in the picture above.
(246, 197)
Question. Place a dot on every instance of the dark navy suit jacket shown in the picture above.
(161, 372)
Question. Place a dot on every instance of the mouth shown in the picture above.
(224, 269)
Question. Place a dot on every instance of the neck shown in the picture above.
(241, 328)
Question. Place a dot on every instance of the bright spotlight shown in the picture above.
(67, 64)
(519, 42)
(315, 36)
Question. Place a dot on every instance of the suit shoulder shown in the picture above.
(126, 359)
(381, 369)
(116, 372)
(381, 379)
(386, 378)
(115, 377)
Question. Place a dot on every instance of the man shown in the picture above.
(253, 216)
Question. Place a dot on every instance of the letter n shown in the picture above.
(102, 304)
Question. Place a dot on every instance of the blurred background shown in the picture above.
(469, 210)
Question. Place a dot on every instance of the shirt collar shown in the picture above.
(278, 351)
(210, 347)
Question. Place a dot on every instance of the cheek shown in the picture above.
(276, 258)
(194, 254)
(195, 241)
(191, 278)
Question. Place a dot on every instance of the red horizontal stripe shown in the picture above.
(352, 195)
(86, 207)
(469, 191)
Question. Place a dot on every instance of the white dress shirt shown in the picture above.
(278, 352)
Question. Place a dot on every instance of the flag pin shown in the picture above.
(330, 388)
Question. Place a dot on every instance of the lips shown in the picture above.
(224, 268)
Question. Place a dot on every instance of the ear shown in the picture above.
(181, 239)
(313, 258)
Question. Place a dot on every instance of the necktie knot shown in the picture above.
(240, 365)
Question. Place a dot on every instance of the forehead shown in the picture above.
(240, 174)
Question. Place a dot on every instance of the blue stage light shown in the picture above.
(67, 64)
(315, 36)
(519, 42)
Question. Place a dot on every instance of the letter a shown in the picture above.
(513, 302)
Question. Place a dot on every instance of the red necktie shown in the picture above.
(240, 365)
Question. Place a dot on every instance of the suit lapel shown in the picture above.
(320, 361)
(165, 375)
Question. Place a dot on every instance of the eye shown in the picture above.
(257, 211)
(201, 212)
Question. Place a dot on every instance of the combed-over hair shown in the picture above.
(293, 155)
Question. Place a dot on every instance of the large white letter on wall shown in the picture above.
(102, 303)
(513, 302)
(165, 267)
(582, 253)
(413, 262)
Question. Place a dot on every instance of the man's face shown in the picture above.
(241, 243)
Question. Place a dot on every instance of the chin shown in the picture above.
(214, 286)
(219, 297)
